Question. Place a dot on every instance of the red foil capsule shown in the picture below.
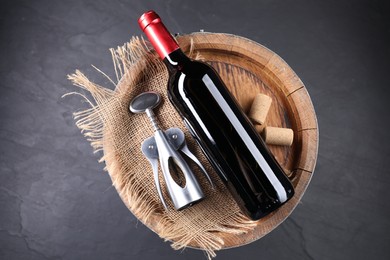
(157, 33)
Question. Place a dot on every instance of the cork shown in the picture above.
(278, 136)
(259, 109)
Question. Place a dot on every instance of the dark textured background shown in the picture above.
(57, 203)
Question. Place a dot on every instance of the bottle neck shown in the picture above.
(176, 60)
(158, 35)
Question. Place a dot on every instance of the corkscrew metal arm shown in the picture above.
(177, 139)
(149, 149)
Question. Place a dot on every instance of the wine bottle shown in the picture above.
(220, 127)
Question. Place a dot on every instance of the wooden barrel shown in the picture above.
(249, 68)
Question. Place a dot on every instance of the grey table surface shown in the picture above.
(56, 202)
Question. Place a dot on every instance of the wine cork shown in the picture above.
(278, 136)
(259, 109)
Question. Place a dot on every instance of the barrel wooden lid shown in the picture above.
(248, 68)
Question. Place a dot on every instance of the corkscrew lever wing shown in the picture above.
(149, 149)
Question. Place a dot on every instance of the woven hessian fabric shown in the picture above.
(111, 127)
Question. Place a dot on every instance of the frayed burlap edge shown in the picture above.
(129, 61)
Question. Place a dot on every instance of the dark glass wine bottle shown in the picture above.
(220, 127)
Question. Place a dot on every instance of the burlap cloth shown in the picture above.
(110, 127)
